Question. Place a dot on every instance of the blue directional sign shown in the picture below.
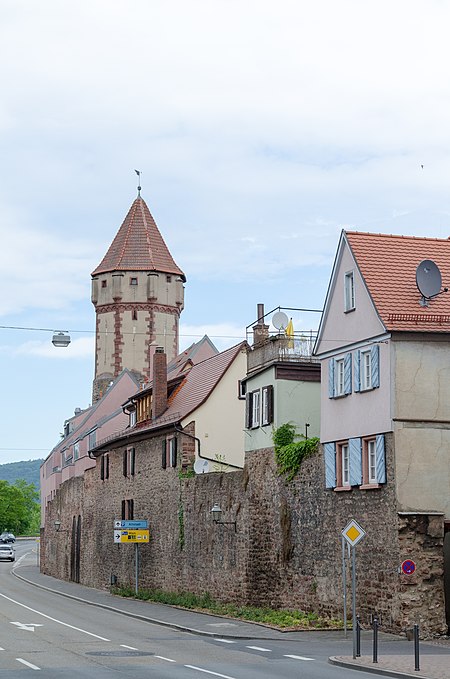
(120, 523)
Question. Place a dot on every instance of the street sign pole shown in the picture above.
(354, 622)
(137, 567)
(344, 586)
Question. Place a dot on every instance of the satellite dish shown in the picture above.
(280, 320)
(428, 278)
(201, 466)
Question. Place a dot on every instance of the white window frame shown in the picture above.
(349, 291)
(339, 377)
(372, 461)
(132, 417)
(266, 396)
(76, 450)
(366, 370)
(256, 408)
(345, 461)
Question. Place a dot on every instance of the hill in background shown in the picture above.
(29, 470)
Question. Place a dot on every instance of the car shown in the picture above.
(7, 553)
(7, 537)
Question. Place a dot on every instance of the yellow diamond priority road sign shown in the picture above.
(353, 533)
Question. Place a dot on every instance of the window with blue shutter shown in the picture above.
(375, 350)
(348, 374)
(329, 451)
(331, 378)
(355, 450)
(381, 459)
(357, 381)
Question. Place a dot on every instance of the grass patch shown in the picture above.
(282, 619)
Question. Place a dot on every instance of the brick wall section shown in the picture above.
(286, 551)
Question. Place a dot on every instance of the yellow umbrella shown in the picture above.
(290, 333)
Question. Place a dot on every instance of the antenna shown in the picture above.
(428, 281)
(280, 320)
(138, 172)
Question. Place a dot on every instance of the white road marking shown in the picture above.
(28, 664)
(132, 648)
(258, 648)
(216, 674)
(60, 622)
(161, 657)
(2, 649)
(298, 657)
(225, 641)
(27, 626)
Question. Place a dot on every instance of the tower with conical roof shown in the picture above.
(138, 295)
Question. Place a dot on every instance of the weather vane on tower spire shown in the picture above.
(138, 172)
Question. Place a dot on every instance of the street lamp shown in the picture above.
(216, 515)
(61, 339)
(57, 525)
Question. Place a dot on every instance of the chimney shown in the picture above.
(159, 383)
(260, 331)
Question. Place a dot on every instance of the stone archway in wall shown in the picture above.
(447, 571)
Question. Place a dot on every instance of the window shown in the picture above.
(266, 405)
(132, 421)
(343, 465)
(356, 462)
(373, 462)
(340, 376)
(242, 389)
(168, 279)
(104, 467)
(133, 281)
(129, 462)
(127, 513)
(349, 291)
(169, 452)
(134, 315)
(76, 450)
(104, 283)
(256, 400)
(92, 439)
(367, 368)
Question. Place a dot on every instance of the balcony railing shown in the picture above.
(297, 349)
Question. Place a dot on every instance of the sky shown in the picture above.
(262, 129)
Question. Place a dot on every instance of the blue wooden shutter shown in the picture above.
(375, 362)
(381, 459)
(354, 449)
(357, 370)
(329, 451)
(331, 378)
(348, 374)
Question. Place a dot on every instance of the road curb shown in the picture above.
(333, 660)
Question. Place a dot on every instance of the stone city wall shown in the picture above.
(286, 551)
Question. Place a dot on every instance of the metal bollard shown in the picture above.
(375, 639)
(416, 648)
(358, 637)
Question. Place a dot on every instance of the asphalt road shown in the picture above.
(59, 637)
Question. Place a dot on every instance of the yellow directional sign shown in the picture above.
(353, 533)
(130, 535)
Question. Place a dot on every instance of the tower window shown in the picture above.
(133, 281)
(169, 279)
(104, 284)
(134, 315)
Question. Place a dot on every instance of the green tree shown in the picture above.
(19, 510)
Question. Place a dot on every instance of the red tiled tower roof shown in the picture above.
(138, 246)
(388, 265)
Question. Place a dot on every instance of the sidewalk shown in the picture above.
(434, 656)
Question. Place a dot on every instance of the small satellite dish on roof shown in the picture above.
(280, 320)
(428, 280)
(201, 466)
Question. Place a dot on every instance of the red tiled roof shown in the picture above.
(388, 265)
(138, 246)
